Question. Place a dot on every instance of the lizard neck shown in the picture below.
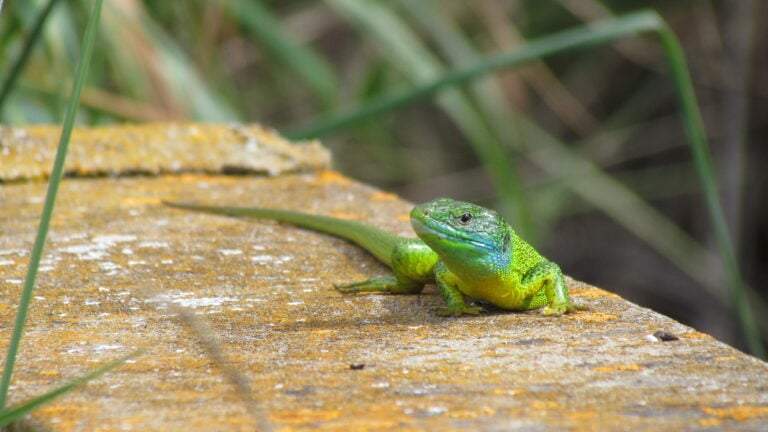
(484, 267)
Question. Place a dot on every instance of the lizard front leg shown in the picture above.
(412, 263)
(455, 305)
(545, 285)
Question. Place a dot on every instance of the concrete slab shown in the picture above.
(120, 268)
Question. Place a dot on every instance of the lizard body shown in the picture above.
(467, 250)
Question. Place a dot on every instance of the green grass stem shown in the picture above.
(50, 200)
(579, 38)
(694, 127)
(11, 414)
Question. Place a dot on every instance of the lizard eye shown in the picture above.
(465, 218)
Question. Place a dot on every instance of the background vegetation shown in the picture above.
(287, 63)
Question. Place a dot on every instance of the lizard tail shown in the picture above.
(376, 241)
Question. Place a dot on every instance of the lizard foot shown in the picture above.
(558, 310)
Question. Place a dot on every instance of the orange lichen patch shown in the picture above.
(544, 405)
(244, 423)
(593, 316)
(324, 332)
(737, 413)
(506, 391)
(384, 196)
(66, 409)
(695, 335)
(137, 365)
(472, 414)
(405, 217)
(725, 358)
(304, 416)
(582, 415)
(188, 362)
(710, 422)
(142, 201)
(127, 422)
(5, 308)
(334, 177)
(494, 354)
(68, 336)
(589, 292)
(620, 368)
(66, 416)
(203, 178)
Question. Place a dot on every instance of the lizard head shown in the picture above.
(462, 232)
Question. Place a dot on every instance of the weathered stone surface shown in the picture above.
(27, 152)
(119, 265)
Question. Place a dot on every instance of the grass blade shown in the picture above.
(694, 127)
(579, 38)
(12, 414)
(50, 200)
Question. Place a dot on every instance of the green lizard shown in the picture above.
(467, 250)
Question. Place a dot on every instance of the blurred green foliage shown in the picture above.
(584, 151)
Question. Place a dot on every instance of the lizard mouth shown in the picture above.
(442, 233)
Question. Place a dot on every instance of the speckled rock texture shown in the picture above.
(121, 271)
(28, 152)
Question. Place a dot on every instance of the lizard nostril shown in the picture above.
(425, 212)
